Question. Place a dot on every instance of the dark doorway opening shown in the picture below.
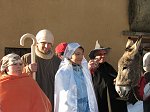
(19, 51)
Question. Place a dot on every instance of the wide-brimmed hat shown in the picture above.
(97, 48)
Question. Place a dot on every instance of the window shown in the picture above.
(19, 51)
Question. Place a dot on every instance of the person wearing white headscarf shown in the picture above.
(73, 85)
(143, 88)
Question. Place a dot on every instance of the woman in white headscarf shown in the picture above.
(73, 86)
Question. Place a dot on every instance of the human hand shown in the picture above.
(114, 81)
(92, 64)
(33, 67)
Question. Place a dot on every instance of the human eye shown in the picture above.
(14, 64)
(20, 64)
(77, 53)
(42, 43)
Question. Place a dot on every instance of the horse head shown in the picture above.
(129, 68)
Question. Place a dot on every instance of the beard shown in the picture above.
(45, 51)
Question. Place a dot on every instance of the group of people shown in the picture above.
(65, 82)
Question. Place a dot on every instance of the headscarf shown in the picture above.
(45, 36)
(65, 85)
(70, 50)
(146, 62)
(9, 60)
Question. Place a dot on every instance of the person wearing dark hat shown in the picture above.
(60, 49)
(103, 75)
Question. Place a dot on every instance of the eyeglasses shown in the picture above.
(16, 64)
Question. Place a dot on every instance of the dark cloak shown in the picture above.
(102, 79)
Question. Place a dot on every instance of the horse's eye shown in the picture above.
(124, 68)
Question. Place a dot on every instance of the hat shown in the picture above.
(9, 60)
(45, 36)
(97, 48)
(61, 47)
(70, 49)
(146, 62)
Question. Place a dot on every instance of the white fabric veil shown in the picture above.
(65, 98)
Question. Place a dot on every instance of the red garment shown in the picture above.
(61, 47)
(140, 88)
(22, 94)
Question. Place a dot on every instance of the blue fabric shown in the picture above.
(82, 101)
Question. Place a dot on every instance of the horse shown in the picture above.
(129, 68)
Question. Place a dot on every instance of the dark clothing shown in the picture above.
(102, 79)
(146, 106)
(45, 74)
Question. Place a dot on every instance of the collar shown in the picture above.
(74, 64)
(44, 56)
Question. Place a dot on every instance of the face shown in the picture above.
(44, 47)
(101, 56)
(77, 56)
(129, 68)
(15, 69)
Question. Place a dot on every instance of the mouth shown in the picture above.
(123, 91)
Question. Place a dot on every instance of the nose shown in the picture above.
(103, 55)
(123, 91)
(46, 45)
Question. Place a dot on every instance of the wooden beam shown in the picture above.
(134, 35)
(130, 33)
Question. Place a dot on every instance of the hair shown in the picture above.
(5, 72)
(81, 48)
(61, 53)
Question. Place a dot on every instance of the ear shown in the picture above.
(129, 43)
(136, 45)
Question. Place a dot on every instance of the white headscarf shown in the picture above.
(146, 62)
(45, 36)
(65, 85)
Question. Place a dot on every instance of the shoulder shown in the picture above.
(26, 55)
(56, 61)
(108, 64)
(64, 71)
(26, 58)
(56, 58)
(147, 76)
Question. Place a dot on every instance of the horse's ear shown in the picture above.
(136, 45)
(129, 43)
